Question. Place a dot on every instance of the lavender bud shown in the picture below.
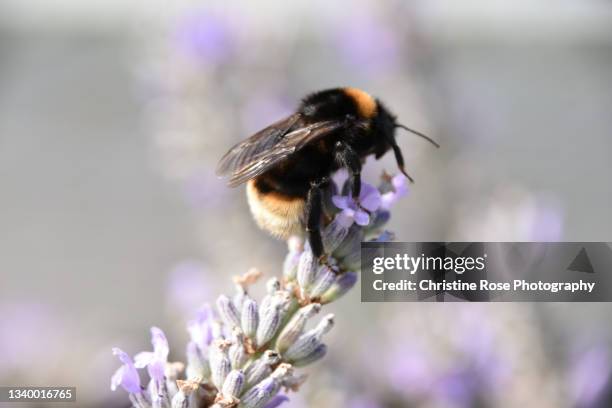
(282, 371)
(273, 285)
(217, 330)
(180, 400)
(325, 278)
(197, 365)
(228, 311)
(333, 235)
(172, 372)
(307, 269)
(261, 368)
(343, 284)
(265, 303)
(290, 266)
(234, 382)
(378, 220)
(139, 401)
(239, 297)
(352, 262)
(277, 401)
(310, 340)
(249, 317)
(295, 327)
(291, 287)
(351, 244)
(270, 321)
(237, 352)
(317, 354)
(220, 365)
(259, 395)
(186, 388)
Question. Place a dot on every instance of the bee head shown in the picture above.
(385, 124)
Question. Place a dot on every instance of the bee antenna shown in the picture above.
(399, 158)
(430, 140)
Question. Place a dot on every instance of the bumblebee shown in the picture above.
(288, 164)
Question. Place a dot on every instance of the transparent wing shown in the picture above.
(242, 153)
(264, 153)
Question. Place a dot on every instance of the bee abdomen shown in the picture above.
(279, 214)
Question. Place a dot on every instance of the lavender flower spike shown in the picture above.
(245, 355)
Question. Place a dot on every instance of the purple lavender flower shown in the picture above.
(127, 375)
(205, 36)
(369, 201)
(547, 223)
(187, 285)
(200, 329)
(399, 184)
(156, 360)
(367, 43)
(276, 401)
(202, 191)
(363, 402)
(590, 373)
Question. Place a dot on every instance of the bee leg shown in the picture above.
(349, 159)
(314, 210)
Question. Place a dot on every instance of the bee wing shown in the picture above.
(242, 153)
(264, 153)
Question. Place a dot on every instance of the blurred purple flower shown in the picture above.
(20, 326)
(589, 376)
(363, 402)
(200, 329)
(548, 224)
(458, 387)
(203, 190)
(276, 401)
(399, 182)
(206, 36)
(187, 286)
(367, 44)
(410, 371)
(127, 375)
(369, 201)
(156, 360)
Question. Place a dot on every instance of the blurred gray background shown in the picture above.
(112, 117)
